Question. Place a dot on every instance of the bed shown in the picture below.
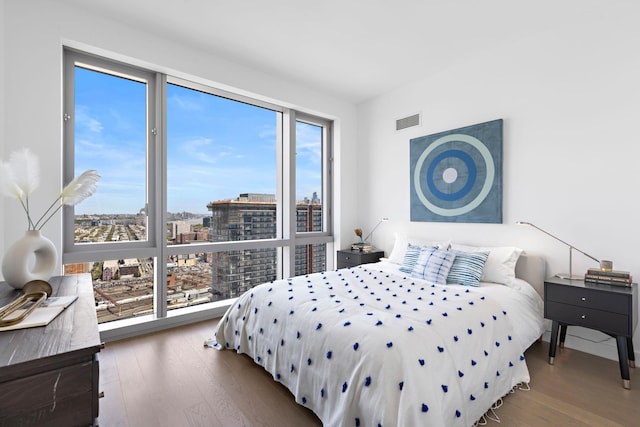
(374, 346)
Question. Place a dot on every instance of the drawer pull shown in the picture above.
(583, 317)
(583, 298)
(347, 258)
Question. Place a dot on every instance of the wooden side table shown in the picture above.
(349, 258)
(610, 309)
(49, 374)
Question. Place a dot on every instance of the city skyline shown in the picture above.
(125, 287)
(216, 148)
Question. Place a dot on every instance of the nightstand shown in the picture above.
(612, 310)
(349, 258)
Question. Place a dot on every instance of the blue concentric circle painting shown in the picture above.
(456, 176)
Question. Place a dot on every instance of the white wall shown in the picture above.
(2, 108)
(39, 28)
(570, 100)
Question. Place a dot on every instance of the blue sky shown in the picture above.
(216, 148)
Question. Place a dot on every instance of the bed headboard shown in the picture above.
(532, 268)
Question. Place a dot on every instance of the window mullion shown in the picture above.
(159, 160)
(68, 127)
(289, 191)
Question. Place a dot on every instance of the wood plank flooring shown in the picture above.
(170, 379)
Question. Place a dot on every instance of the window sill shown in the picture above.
(132, 327)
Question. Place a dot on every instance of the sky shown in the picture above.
(216, 148)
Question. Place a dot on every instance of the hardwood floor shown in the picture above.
(170, 379)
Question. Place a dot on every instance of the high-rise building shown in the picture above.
(309, 258)
(252, 216)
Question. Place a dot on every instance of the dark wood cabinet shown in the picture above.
(49, 374)
(349, 258)
(606, 308)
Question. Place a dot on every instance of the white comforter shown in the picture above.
(368, 347)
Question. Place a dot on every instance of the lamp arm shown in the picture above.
(558, 239)
(374, 228)
(585, 254)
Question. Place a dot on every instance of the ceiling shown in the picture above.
(352, 49)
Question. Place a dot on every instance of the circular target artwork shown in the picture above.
(456, 176)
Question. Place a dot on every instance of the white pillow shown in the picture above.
(402, 241)
(501, 263)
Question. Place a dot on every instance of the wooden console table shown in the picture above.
(49, 374)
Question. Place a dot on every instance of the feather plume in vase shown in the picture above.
(19, 177)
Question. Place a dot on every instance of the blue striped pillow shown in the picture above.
(411, 256)
(433, 265)
(467, 268)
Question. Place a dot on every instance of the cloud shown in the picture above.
(309, 143)
(193, 190)
(89, 144)
(203, 150)
(186, 103)
(84, 120)
(267, 132)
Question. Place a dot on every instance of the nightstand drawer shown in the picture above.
(348, 258)
(605, 321)
(588, 298)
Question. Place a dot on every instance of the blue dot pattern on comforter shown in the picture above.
(363, 347)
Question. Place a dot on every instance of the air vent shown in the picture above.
(408, 122)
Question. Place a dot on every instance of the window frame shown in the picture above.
(287, 236)
(86, 251)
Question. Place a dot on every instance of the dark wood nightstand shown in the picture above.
(349, 258)
(49, 374)
(612, 310)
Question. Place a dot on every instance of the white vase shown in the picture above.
(32, 257)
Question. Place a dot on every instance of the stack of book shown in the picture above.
(362, 247)
(614, 277)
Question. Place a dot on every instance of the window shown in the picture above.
(228, 191)
(309, 168)
(230, 150)
(110, 136)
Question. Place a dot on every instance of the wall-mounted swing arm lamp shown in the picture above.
(569, 276)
